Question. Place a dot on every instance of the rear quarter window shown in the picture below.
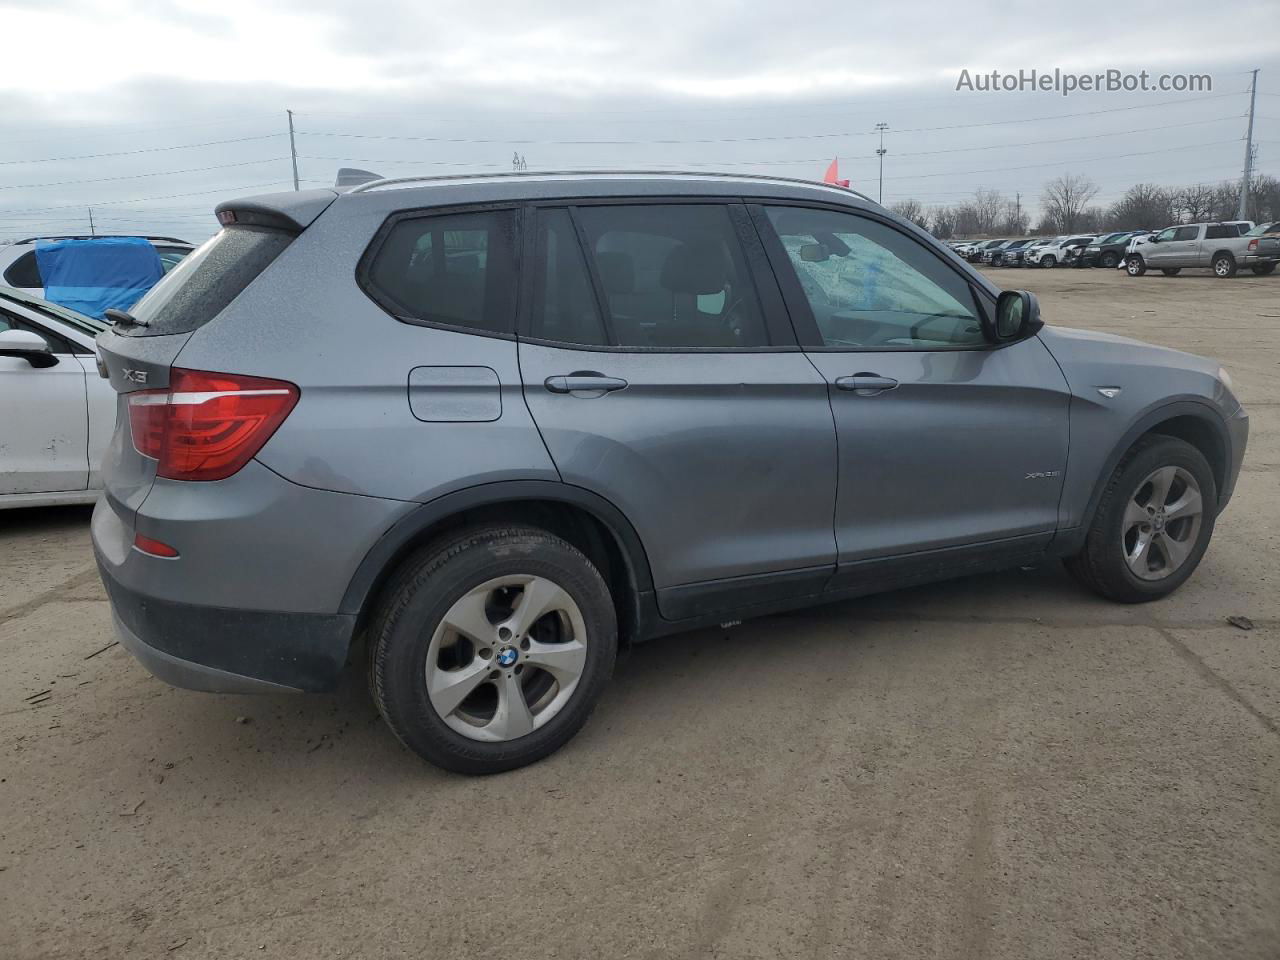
(24, 272)
(199, 287)
(452, 269)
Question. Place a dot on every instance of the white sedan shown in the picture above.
(59, 414)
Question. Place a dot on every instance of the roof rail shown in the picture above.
(545, 174)
(100, 236)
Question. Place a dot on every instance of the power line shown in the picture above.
(847, 159)
(751, 139)
(126, 153)
(140, 176)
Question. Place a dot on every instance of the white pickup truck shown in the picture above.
(1220, 247)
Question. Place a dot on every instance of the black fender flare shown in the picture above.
(394, 539)
(1200, 409)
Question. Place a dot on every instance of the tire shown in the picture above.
(1224, 266)
(1171, 271)
(1263, 269)
(1048, 262)
(476, 578)
(1103, 563)
(1135, 266)
(1110, 260)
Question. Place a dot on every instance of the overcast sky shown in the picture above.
(192, 96)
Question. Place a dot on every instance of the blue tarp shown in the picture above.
(94, 274)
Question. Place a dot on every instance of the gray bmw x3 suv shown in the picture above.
(472, 433)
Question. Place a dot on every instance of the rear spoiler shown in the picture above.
(293, 211)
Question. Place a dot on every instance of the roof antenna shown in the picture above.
(351, 177)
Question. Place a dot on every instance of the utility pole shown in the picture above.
(293, 150)
(882, 127)
(1017, 211)
(1242, 211)
(92, 231)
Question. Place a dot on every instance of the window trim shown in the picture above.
(364, 281)
(806, 325)
(773, 308)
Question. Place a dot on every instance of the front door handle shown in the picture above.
(866, 384)
(584, 381)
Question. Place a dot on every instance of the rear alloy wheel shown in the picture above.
(1048, 261)
(491, 650)
(1263, 269)
(1152, 524)
(1135, 266)
(1224, 265)
(1110, 260)
(1171, 271)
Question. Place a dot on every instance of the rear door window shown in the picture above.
(672, 276)
(1220, 233)
(456, 270)
(197, 289)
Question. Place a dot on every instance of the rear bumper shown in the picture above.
(1257, 259)
(218, 650)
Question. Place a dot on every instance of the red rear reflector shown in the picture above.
(207, 426)
(153, 547)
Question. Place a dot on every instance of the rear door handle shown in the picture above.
(866, 384)
(584, 381)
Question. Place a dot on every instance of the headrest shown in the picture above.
(617, 271)
(697, 267)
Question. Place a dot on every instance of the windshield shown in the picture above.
(79, 321)
(1264, 228)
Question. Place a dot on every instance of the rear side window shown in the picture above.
(453, 269)
(672, 276)
(197, 289)
(24, 272)
(564, 305)
(1220, 233)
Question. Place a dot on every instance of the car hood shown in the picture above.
(1074, 345)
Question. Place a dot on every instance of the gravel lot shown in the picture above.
(993, 767)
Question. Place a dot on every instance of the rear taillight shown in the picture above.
(1253, 244)
(207, 426)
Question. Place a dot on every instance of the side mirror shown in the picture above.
(28, 346)
(815, 253)
(1017, 316)
(1154, 238)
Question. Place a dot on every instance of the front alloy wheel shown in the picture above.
(1162, 523)
(1152, 524)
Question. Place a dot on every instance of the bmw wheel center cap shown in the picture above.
(507, 656)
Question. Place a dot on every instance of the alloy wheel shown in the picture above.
(506, 658)
(1161, 523)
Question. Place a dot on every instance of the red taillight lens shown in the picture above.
(207, 426)
(153, 547)
(1253, 244)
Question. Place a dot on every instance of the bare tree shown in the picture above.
(1144, 206)
(1014, 220)
(942, 222)
(988, 205)
(1194, 203)
(912, 210)
(1065, 199)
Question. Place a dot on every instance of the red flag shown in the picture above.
(833, 174)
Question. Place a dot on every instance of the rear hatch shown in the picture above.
(139, 353)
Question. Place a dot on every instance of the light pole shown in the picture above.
(882, 127)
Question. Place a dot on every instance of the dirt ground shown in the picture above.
(998, 767)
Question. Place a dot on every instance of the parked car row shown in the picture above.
(1223, 247)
